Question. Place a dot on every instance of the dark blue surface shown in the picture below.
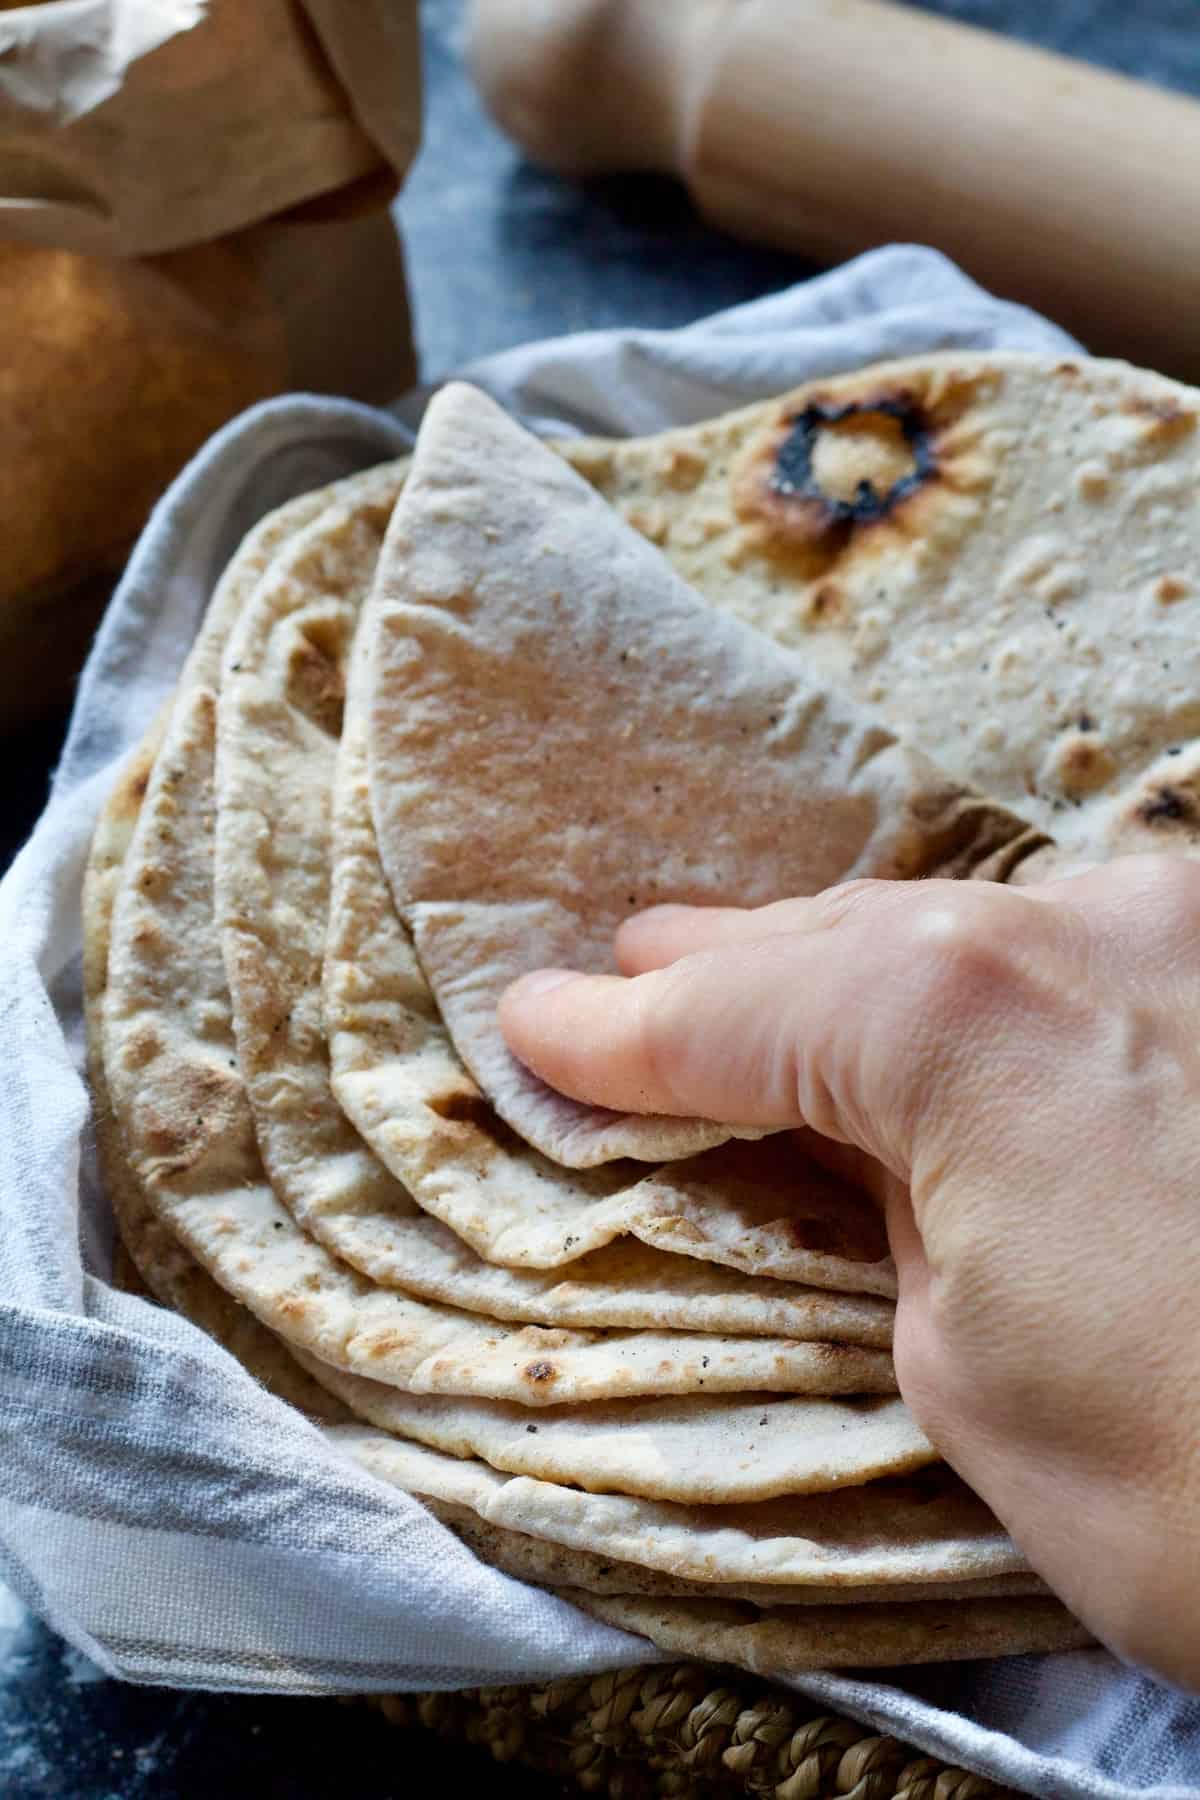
(67, 1736)
(499, 253)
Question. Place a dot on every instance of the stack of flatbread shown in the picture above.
(449, 721)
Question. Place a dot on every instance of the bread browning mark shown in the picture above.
(193, 1115)
(683, 466)
(782, 488)
(315, 683)
(464, 1108)
(1166, 806)
(1083, 763)
(827, 604)
(1167, 421)
(830, 1237)
(1171, 588)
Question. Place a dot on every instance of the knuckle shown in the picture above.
(956, 946)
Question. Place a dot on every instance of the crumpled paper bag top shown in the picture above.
(132, 127)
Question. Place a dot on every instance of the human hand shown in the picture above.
(1015, 1074)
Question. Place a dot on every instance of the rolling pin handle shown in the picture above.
(595, 85)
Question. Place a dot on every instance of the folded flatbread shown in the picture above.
(765, 1208)
(561, 732)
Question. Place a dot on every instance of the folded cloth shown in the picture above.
(168, 1517)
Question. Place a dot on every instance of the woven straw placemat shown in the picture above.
(685, 1731)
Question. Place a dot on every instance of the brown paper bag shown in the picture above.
(195, 199)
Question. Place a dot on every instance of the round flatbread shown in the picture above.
(790, 1640)
(919, 1528)
(1000, 552)
(700, 1450)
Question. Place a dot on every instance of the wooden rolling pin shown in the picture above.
(829, 126)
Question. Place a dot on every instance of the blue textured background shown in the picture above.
(498, 253)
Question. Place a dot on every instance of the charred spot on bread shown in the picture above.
(840, 472)
(1166, 806)
(796, 476)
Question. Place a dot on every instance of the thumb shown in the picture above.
(838, 1021)
(694, 1039)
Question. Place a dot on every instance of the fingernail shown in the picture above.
(542, 980)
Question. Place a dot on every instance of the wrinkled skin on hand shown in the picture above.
(1015, 1074)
